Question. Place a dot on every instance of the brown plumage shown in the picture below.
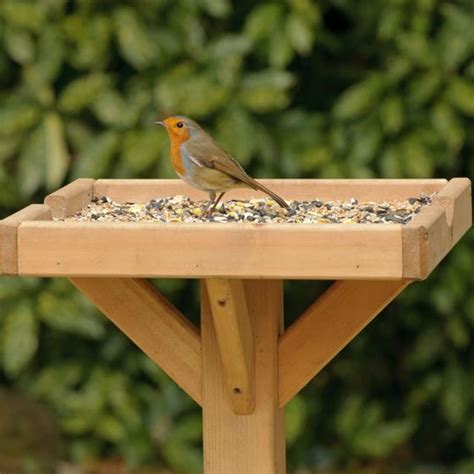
(198, 160)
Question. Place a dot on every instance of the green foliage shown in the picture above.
(298, 88)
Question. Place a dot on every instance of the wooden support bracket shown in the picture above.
(326, 327)
(153, 324)
(235, 340)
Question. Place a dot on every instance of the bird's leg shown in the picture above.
(216, 202)
(212, 197)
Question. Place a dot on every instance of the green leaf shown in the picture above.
(69, 316)
(32, 162)
(112, 110)
(178, 449)
(109, 428)
(391, 162)
(417, 47)
(381, 440)
(230, 45)
(281, 51)
(9, 146)
(266, 90)
(424, 87)
(183, 457)
(140, 149)
(199, 97)
(17, 115)
(92, 42)
(367, 138)
(358, 99)
(57, 158)
(19, 45)
(217, 8)
(78, 134)
(470, 70)
(448, 125)
(63, 376)
(263, 20)
(364, 429)
(81, 92)
(460, 94)
(50, 55)
(458, 332)
(235, 130)
(416, 157)
(427, 348)
(135, 43)
(456, 395)
(296, 414)
(300, 33)
(123, 402)
(24, 14)
(392, 114)
(20, 338)
(95, 158)
(190, 429)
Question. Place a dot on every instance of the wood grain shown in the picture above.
(141, 190)
(326, 327)
(235, 341)
(429, 237)
(456, 199)
(9, 235)
(255, 443)
(152, 323)
(330, 251)
(71, 198)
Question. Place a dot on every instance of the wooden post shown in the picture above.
(253, 443)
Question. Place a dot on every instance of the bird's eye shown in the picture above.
(180, 124)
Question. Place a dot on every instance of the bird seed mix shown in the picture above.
(259, 211)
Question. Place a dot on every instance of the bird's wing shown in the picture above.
(206, 152)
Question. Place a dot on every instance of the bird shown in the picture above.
(202, 163)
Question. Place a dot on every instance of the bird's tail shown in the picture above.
(278, 199)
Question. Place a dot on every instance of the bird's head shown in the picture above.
(179, 128)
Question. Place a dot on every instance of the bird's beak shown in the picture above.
(160, 123)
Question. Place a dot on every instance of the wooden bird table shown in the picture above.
(242, 367)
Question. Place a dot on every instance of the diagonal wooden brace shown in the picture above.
(153, 324)
(235, 341)
(327, 326)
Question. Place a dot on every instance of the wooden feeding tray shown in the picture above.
(242, 367)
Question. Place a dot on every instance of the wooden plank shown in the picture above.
(71, 198)
(436, 229)
(435, 239)
(141, 190)
(329, 251)
(235, 341)
(253, 443)
(326, 327)
(9, 233)
(455, 198)
(153, 324)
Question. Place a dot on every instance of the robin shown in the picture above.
(202, 163)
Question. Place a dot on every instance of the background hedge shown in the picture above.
(297, 88)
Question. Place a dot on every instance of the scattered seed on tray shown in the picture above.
(260, 211)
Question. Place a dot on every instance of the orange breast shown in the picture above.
(176, 159)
